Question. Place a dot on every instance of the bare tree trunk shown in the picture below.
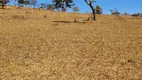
(3, 5)
(93, 12)
(93, 9)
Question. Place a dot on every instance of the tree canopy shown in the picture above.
(63, 4)
(99, 10)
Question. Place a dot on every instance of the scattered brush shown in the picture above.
(86, 19)
(75, 20)
(118, 18)
(45, 16)
(82, 19)
(18, 17)
(28, 12)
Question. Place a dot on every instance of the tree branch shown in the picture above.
(86, 2)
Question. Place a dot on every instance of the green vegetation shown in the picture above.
(99, 10)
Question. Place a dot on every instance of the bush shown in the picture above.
(18, 17)
(126, 14)
(137, 15)
(75, 9)
(99, 10)
(51, 7)
(115, 12)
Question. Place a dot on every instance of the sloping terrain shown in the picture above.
(45, 45)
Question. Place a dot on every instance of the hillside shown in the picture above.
(46, 45)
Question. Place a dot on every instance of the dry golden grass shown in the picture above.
(44, 45)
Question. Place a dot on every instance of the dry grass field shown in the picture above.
(45, 45)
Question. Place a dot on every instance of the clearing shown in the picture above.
(46, 45)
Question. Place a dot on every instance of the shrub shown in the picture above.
(99, 10)
(137, 15)
(115, 12)
(75, 9)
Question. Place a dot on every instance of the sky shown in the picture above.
(129, 6)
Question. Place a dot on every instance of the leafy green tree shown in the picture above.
(25, 3)
(75, 9)
(137, 15)
(99, 10)
(4, 3)
(114, 12)
(21, 2)
(63, 4)
(126, 14)
(90, 3)
(50, 7)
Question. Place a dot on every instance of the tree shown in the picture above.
(115, 12)
(75, 9)
(63, 4)
(111, 11)
(4, 3)
(21, 2)
(99, 10)
(27, 2)
(137, 15)
(126, 14)
(33, 3)
(50, 7)
(43, 6)
(90, 3)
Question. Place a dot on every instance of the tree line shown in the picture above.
(62, 5)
